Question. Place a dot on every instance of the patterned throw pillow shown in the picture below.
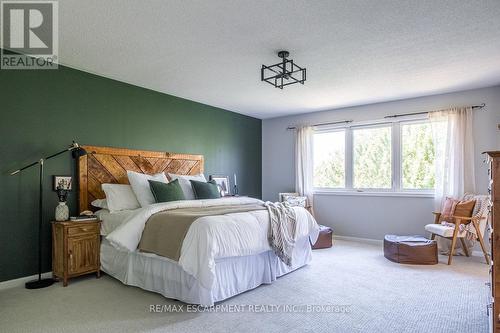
(298, 201)
(448, 209)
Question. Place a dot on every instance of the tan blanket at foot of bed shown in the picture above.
(164, 232)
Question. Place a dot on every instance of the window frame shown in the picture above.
(401, 189)
(396, 160)
(351, 148)
(329, 130)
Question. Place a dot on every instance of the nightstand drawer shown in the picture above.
(83, 229)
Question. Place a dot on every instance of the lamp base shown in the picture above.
(37, 284)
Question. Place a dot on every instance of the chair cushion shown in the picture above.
(443, 230)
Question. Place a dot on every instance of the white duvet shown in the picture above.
(212, 237)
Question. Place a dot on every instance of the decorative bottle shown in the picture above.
(62, 211)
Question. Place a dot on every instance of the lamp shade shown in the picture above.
(77, 152)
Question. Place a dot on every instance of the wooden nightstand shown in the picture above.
(75, 249)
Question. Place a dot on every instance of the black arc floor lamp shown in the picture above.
(76, 152)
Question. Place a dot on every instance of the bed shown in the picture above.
(221, 255)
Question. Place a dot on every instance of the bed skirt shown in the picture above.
(234, 275)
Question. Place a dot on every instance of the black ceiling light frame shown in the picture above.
(284, 73)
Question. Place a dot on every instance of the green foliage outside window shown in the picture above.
(330, 172)
(329, 159)
(418, 156)
(372, 157)
(372, 166)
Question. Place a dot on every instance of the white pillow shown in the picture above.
(100, 203)
(184, 182)
(120, 197)
(140, 185)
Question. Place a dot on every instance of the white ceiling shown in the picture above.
(355, 51)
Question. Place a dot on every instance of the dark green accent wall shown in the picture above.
(42, 111)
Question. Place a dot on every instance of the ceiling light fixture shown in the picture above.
(283, 73)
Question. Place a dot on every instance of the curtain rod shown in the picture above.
(424, 112)
(480, 106)
(321, 124)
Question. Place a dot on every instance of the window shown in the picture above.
(417, 156)
(329, 159)
(371, 154)
(388, 157)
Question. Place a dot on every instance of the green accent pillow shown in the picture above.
(208, 190)
(165, 192)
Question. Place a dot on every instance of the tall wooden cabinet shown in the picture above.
(494, 192)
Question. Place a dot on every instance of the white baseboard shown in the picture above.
(359, 239)
(380, 242)
(21, 281)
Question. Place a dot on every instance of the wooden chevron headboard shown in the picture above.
(109, 165)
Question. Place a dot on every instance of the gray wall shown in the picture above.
(374, 216)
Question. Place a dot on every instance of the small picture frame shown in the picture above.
(62, 182)
(223, 184)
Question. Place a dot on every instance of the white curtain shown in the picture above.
(454, 160)
(452, 131)
(304, 162)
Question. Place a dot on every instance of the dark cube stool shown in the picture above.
(324, 238)
(416, 250)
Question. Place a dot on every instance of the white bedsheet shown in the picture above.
(212, 237)
(111, 221)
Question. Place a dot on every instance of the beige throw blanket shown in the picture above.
(165, 231)
(282, 230)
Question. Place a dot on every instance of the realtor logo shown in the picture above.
(29, 35)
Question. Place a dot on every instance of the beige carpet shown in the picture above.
(380, 296)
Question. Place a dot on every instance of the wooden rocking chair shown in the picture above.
(479, 221)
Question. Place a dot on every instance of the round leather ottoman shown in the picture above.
(416, 250)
